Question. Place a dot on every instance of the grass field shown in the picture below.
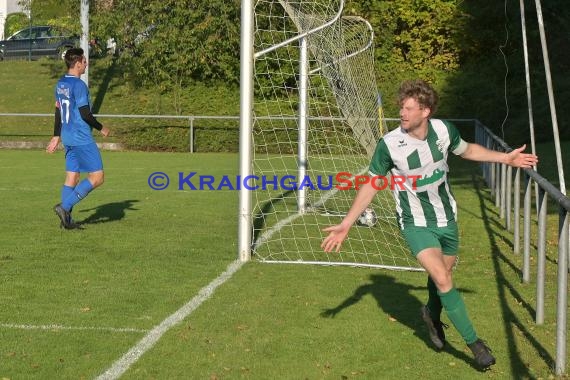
(72, 303)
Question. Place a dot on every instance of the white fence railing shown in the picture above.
(507, 192)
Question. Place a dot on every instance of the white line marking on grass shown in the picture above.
(276, 228)
(60, 327)
(149, 340)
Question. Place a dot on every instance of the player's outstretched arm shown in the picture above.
(516, 157)
(519, 159)
(338, 233)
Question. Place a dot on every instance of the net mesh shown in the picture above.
(343, 125)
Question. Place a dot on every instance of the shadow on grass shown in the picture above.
(108, 212)
(511, 322)
(267, 208)
(395, 299)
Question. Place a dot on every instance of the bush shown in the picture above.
(169, 138)
(155, 138)
(15, 22)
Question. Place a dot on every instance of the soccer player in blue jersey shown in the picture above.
(73, 123)
(427, 211)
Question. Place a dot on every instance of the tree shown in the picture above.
(173, 43)
(62, 13)
(15, 22)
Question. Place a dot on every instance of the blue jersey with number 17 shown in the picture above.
(71, 93)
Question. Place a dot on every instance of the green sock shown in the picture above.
(457, 314)
(434, 302)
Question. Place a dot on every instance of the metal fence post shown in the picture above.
(498, 185)
(503, 191)
(517, 212)
(526, 229)
(191, 119)
(509, 192)
(541, 265)
(562, 298)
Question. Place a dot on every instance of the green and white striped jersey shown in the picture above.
(430, 202)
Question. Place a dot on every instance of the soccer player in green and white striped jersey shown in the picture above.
(427, 211)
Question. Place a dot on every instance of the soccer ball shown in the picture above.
(368, 218)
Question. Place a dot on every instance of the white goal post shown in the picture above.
(310, 119)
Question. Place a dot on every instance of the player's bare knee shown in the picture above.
(100, 181)
(96, 179)
(71, 179)
(443, 281)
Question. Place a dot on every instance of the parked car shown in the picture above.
(37, 41)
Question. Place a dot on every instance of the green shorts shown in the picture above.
(444, 238)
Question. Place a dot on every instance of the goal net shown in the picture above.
(317, 117)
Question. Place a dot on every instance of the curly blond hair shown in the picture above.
(421, 91)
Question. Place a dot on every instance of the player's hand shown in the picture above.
(105, 131)
(336, 236)
(53, 143)
(519, 159)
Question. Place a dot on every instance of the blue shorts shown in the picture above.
(83, 158)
